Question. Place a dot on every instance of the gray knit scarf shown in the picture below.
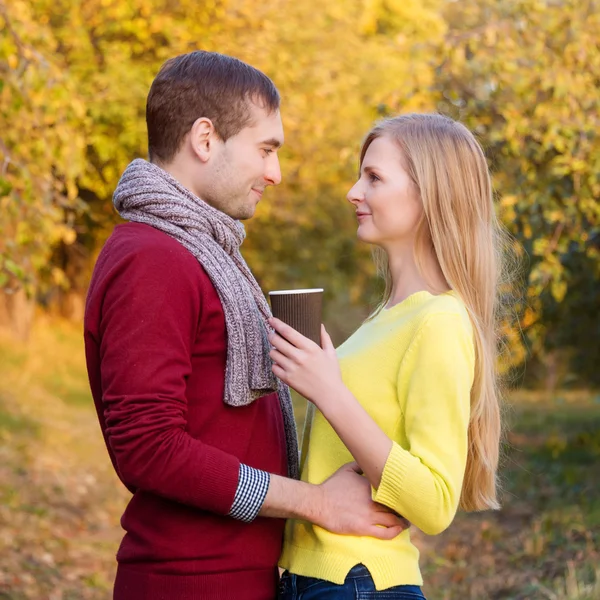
(148, 194)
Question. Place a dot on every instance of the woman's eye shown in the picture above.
(373, 177)
(267, 151)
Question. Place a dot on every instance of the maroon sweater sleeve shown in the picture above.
(149, 320)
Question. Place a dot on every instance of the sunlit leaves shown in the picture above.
(525, 75)
(41, 144)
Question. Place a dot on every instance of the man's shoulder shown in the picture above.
(143, 246)
(139, 238)
(138, 252)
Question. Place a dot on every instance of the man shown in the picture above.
(195, 423)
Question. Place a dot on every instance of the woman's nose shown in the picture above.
(355, 194)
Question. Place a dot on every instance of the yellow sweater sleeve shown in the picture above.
(423, 482)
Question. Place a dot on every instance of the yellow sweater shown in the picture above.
(411, 368)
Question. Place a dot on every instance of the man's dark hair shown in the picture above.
(203, 84)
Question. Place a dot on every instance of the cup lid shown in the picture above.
(305, 291)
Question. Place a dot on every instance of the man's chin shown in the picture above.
(246, 213)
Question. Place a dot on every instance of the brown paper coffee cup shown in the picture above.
(300, 309)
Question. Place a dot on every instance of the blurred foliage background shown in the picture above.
(524, 75)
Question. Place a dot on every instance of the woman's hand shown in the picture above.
(315, 373)
(312, 371)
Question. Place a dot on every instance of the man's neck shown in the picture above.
(180, 172)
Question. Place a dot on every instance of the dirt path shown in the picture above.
(60, 502)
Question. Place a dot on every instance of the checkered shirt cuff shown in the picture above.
(250, 494)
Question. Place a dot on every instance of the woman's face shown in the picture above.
(387, 203)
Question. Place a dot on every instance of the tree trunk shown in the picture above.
(16, 313)
(72, 305)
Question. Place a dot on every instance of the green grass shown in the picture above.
(544, 543)
(11, 423)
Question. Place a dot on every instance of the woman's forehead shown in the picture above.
(382, 151)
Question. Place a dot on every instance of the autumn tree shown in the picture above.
(42, 155)
(525, 75)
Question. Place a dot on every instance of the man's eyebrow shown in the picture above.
(272, 142)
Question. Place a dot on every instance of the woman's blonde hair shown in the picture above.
(449, 169)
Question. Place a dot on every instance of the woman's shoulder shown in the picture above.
(447, 309)
(448, 302)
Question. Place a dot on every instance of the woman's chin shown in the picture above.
(365, 236)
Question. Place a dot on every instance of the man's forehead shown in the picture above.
(266, 123)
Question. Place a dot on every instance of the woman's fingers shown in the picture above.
(281, 374)
(326, 342)
(280, 359)
(284, 346)
(290, 334)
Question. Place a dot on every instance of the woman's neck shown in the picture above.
(407, 279)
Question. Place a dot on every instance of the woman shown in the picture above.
(411, 396)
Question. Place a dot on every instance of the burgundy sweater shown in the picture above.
(156, 347)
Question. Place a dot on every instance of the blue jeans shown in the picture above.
(358, 586)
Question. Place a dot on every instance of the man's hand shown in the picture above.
(347, 507)
(341, 504)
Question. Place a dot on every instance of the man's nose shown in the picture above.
(273, 171)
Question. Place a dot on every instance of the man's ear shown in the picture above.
(203, 136)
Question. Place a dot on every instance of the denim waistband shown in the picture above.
(359, 571)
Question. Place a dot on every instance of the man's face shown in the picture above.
(245, 165)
